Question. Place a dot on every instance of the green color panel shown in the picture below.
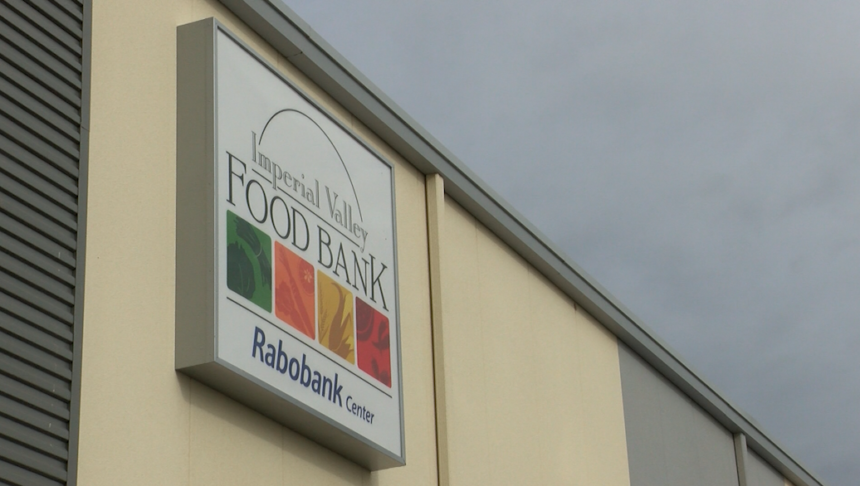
(249, 262)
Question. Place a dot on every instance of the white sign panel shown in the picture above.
(306, 299)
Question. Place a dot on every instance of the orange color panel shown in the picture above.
(294, 291)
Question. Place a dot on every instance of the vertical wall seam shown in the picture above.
(618, 351)
(435, 203)
(741, 459)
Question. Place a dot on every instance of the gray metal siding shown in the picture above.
(41, 98)
(671, 441)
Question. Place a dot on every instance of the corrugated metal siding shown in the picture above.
(41, 49)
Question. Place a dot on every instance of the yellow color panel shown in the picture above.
(337, 326)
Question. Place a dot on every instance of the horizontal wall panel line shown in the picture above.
(37, 259)
(25, 83)
(13, 474)
(40, 133)
(35, 240)
(37, 35)
(75, 8)
(68, 143)
(57, 346)
(32, 377)
(29, 459)
(35, 357)
(37, 279)
(29, 40)
(17, 100)
(12, 154)
(33, 439)
(40, 74)
(38, 185)
(27, 313)
(36, 136)
(37, 230)
(34, 224)
(65, 162)
(15, 197)
(36, 220)
(45, 24)
(47, 207)
(40, 56)
(35, 299)
(69, 19)
(15, 390)
(25, 414)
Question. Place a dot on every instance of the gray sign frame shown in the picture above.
(196, 256)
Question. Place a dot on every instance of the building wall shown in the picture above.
(760, 474)
(141, 422)
(532, 384)
(670, 440)
(510, 382)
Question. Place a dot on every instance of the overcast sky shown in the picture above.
(700, 159)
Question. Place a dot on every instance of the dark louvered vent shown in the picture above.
(40, 159)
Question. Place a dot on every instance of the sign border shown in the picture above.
(196, 351)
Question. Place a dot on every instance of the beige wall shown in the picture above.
(531, 383)
(141, 422)
(760, 473)
(530, 386)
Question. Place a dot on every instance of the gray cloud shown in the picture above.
(702, 161)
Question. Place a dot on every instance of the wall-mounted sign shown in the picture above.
(287, 295)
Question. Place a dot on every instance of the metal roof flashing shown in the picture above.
(307, 51)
